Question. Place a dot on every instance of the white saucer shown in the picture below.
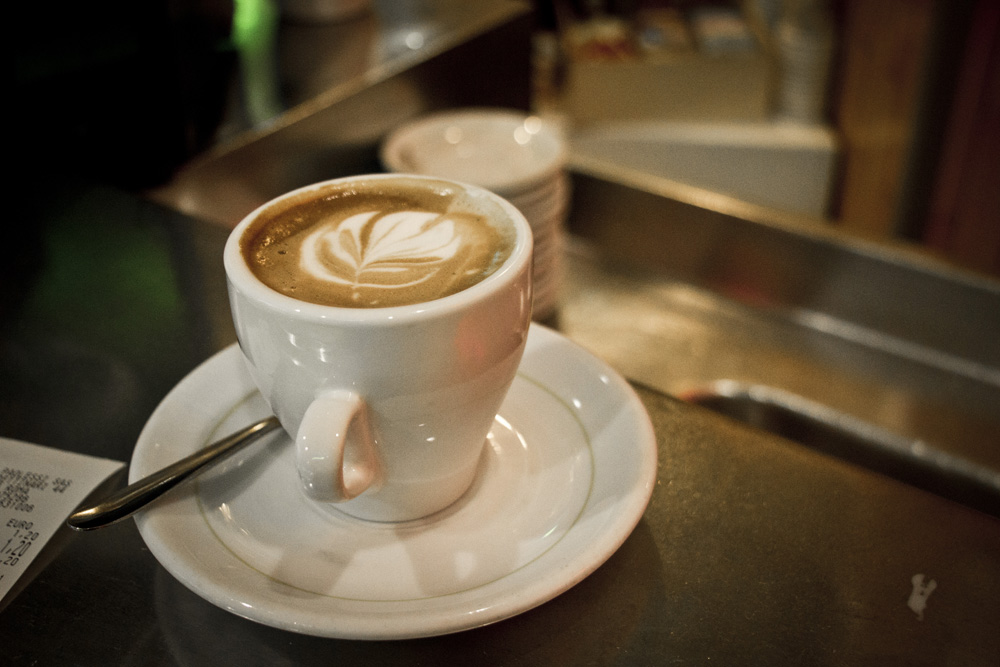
(566, 474)
(502, 150)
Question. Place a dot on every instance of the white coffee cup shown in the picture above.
(390, 407)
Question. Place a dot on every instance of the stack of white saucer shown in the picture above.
(517, 156)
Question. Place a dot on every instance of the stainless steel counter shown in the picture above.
(881, 356)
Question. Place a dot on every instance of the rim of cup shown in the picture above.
(442, 143)
(239, 273)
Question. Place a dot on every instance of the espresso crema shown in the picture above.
(373, 244)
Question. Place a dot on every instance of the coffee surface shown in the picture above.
(371, 244)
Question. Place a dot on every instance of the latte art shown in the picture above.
(368, 249)
(388, 251)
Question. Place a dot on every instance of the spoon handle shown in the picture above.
(137, 495)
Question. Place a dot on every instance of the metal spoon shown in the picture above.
(137, 495)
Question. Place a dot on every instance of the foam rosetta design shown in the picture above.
(376, 250)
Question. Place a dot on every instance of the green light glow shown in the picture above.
(255, 26)
(253, 20)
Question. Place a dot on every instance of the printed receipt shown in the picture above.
(39, 488)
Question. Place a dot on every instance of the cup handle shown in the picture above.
(335, 451)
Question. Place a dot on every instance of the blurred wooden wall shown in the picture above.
(883, 49)
(964, 215)
(916, 105)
